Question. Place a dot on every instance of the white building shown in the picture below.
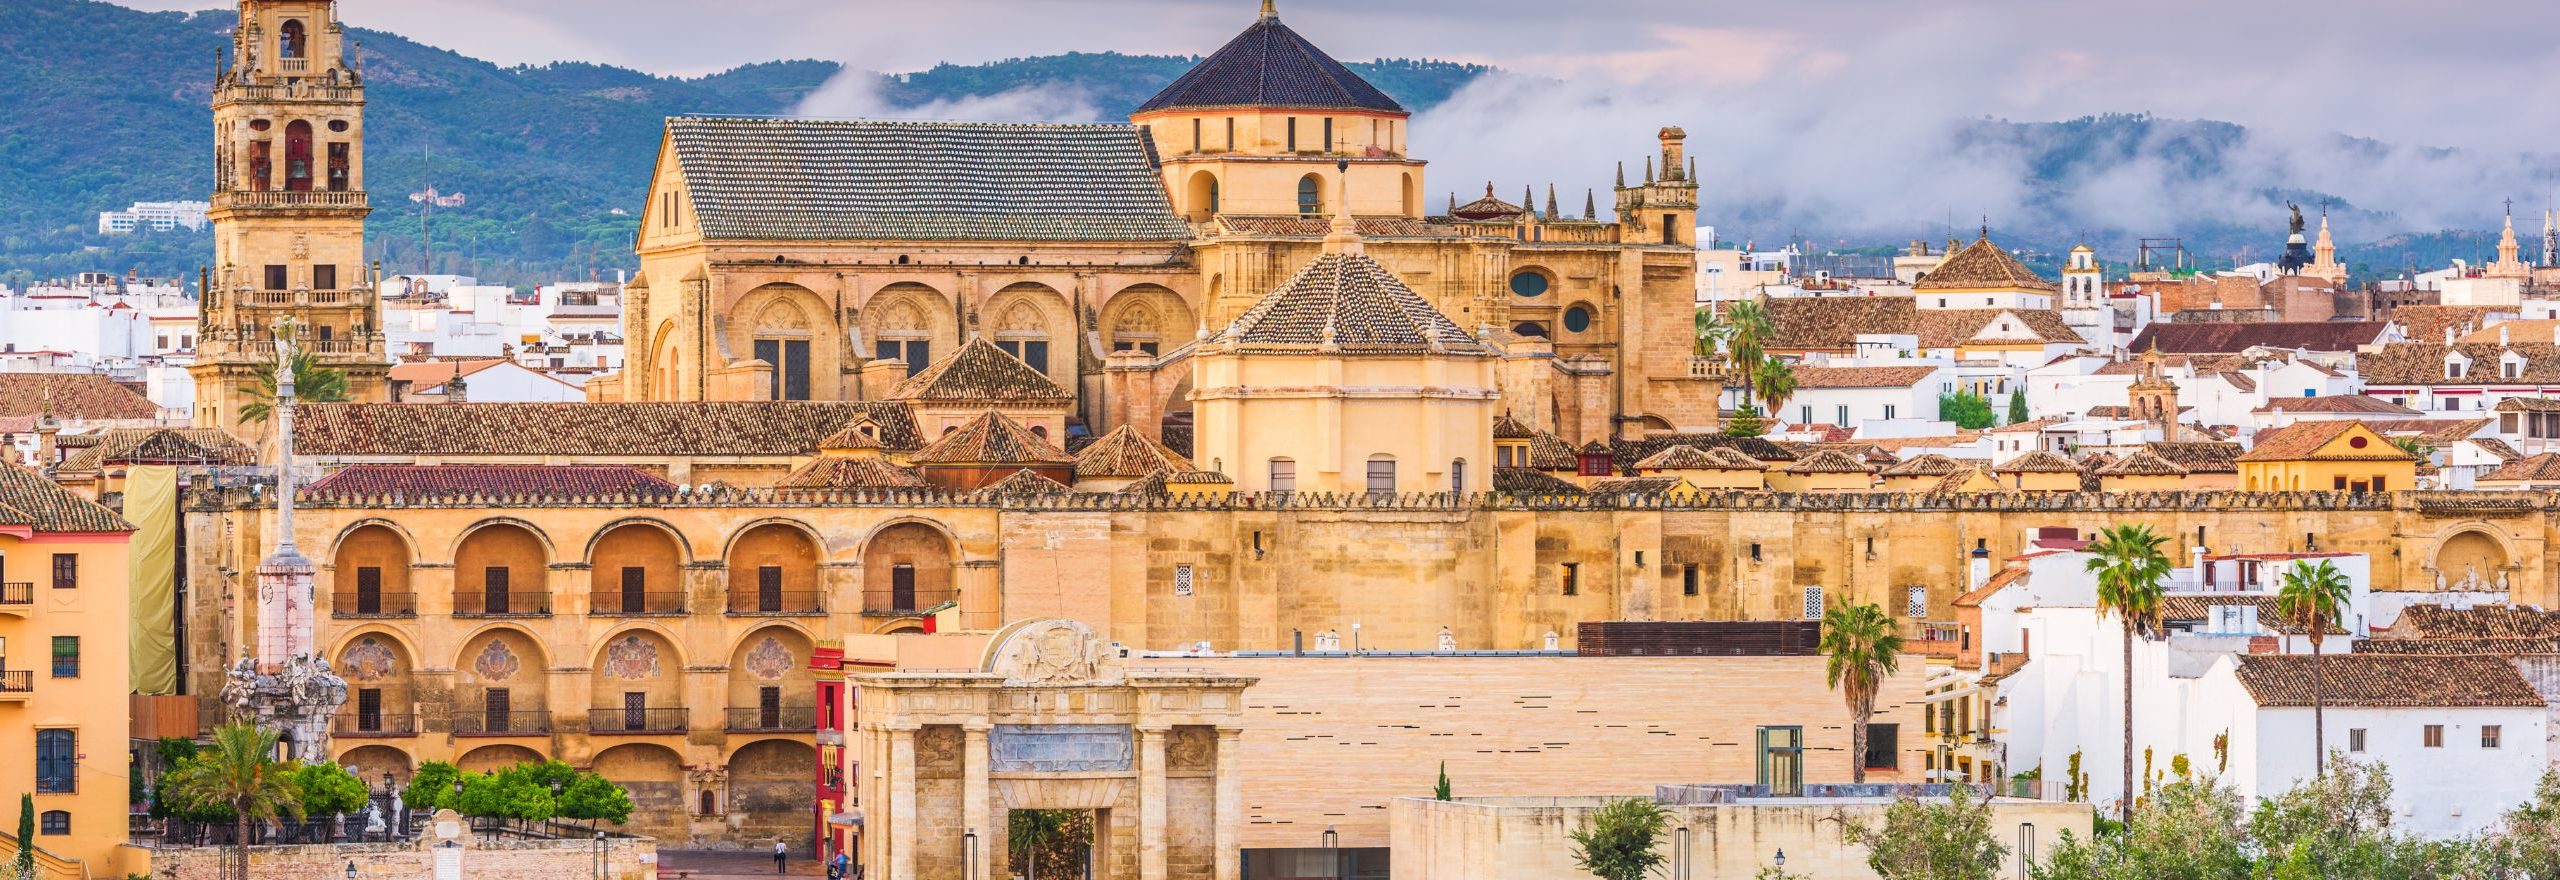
(159, 216)
(1852, 396)
(494, 380)
(573, 329)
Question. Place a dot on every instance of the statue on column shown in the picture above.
(285, 685)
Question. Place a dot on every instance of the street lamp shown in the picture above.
(1333, 841)
(600, 849)
(1782, 858)
(351, 869)
(969, 845)
(1680, 853)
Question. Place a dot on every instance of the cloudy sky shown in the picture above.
(1838, 107)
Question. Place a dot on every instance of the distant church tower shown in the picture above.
(2083, 282)
(288, 209)
(2324, 256)
(2510, 262)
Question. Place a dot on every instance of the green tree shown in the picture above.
(1932, 841)
(592, 798)
(2130, 567)
(1048, 843)
(1745, 331)
(2314, 597)
(1616, 841)
(1967, 409)
(239, 771)
(312, 383)
(1711, 331)
(328, 789)
(1773, 381)
(431, 788)
(2528, 837)
(1863, 649)
(1440, 790)
(511, 793)
(2183, 831)
(23, 867)
(2415, 447)
(2333, 825)
(2017, 407)
(1745, 423)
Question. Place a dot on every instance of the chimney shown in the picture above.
(457, 390)
(2502, 335)
(2448, 335)
(47, 428)
(1978, 571)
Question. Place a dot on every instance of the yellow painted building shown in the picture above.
(64, 626)
(2326, 456)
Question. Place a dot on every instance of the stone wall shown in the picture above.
(624, 858)
(1526, 838)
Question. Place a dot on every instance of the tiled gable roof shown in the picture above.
(84, 396)
(2496, 447)
(2336, 336)
(850, 472)
(1507, 428)
(980, 371)
(808, 179)
(1634, 486)
(1625, 451)
(991, 438)
(2426, 323)
(1827, 461)
(2436, 432)
(1270, 66)
(2037, 462)
(1982, 265)
(2336, 403)
(486, 479)
(28, 499)
(2199, 456)
(2543, 329)
(198, 446)
(1026, 483)
(1681, 457)
(589, 429)
(1930, 465)
(1126, 453)
(1834, 322)
(1860, 377)
(2142, 463)
(2503, 647)
(2303, 440)
(2385, 681)
(2423, 363)
(1531, 481)
(1550, 451)
(1951, 328)
(2538, 468)
(2431, 621)
(1350, 302)
(1727, 458)
(2529, 404)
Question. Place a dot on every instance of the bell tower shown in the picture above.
(288, 209)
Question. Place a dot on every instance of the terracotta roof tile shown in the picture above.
(2503, 647)
(1828, 461)
(1982, 265)
(1930, 465)
(2538, 468)
(2037, 462)
(1025, 482)
(1951, 328)
(2432, 621)
(2335, 336)
(2386, 681)
(589, 429)
(2302, 440)
(84, 396)
(1351, 302)
(1681, 457)
(991, 439)
(2436, 432)
(1828, 323)
(1860, 377)
(2516, 331)
(1626, 451)
(980, 372)
(1270, 66)
(29, 499)
(2199, 456)
(2423, 363)
(1531, 481)
(2529, 404)
(850, 472)
(1507, 428)
(1126, 453)
(2427, 323)
(1634, 486)
(197, 446)
(355, 481)
(2336, 403)
(2142, 463)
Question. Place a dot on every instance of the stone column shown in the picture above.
(1151, 796)
(1230, 805)
(973, 794)
(902, 803)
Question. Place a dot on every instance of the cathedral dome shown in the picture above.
(1348, 302)
(1271, 66)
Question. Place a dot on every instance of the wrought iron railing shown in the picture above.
(358, 724)
(773, 718)
(507, 723)
(373, 604)
(904, 603)
(774, 602)
(475, 602)
(624, 719)
(619, 602)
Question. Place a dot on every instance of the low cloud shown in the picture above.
(859, 94)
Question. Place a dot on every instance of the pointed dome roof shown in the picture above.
(991, 439)
(1126, 453)
(1982, 265)
(1269, 65)
(1348, 301)
(979, 371)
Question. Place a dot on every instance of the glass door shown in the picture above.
(1781, 764)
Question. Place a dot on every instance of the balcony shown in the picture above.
(502, 722)
(628, 720)
(363, 604)
(289, 198)
(774, 719)
(18, 597)
(478, 604)
(622, 603)
(17, 685)
(774, 602)
(360, 725)
(905, 603)
(303, 296)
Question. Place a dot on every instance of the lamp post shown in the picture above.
(600, 851)
(1782, 861)
(1333, 841)
(351, 869)
(969, 848)
(1680, 853)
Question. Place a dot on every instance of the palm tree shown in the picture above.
(312, 383)
(1711, 331)
(1774, 381)
(2130, 567)
(1747, 329)
(1862, 645)
(2314, 597)
(238, 772)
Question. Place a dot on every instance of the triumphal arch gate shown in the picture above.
(1138, 764)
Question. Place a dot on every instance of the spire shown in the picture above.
(1528, 199)
(1622, 174)
(1345, 237)
(1453, 204)
(1648, 170)
(1270, 10)
(1551, 201)
(1693, 171)
(1590, 205)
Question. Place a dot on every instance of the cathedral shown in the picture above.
(793, 259)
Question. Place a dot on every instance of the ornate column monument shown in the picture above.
(285, 685)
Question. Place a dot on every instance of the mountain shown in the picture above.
(544, 154)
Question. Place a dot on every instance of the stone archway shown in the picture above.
(2471, 560)
(771, 789)
(370, 762)
(907, 568)
(655, 777)
(495, 757)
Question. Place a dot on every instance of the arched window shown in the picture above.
(1526, 283)
(1284, 475)
(297, 156)
(55, 822)
(291, 42)
(1577, 319)
(1458, 477)
(1311, 195)
(1530, 329)
(1382, 474)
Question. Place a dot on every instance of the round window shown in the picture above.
(259, 125)
(2356, 442)
(337, 125)
(1529, 284)
(1577, 319)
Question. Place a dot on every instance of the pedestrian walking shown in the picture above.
(779, 850)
